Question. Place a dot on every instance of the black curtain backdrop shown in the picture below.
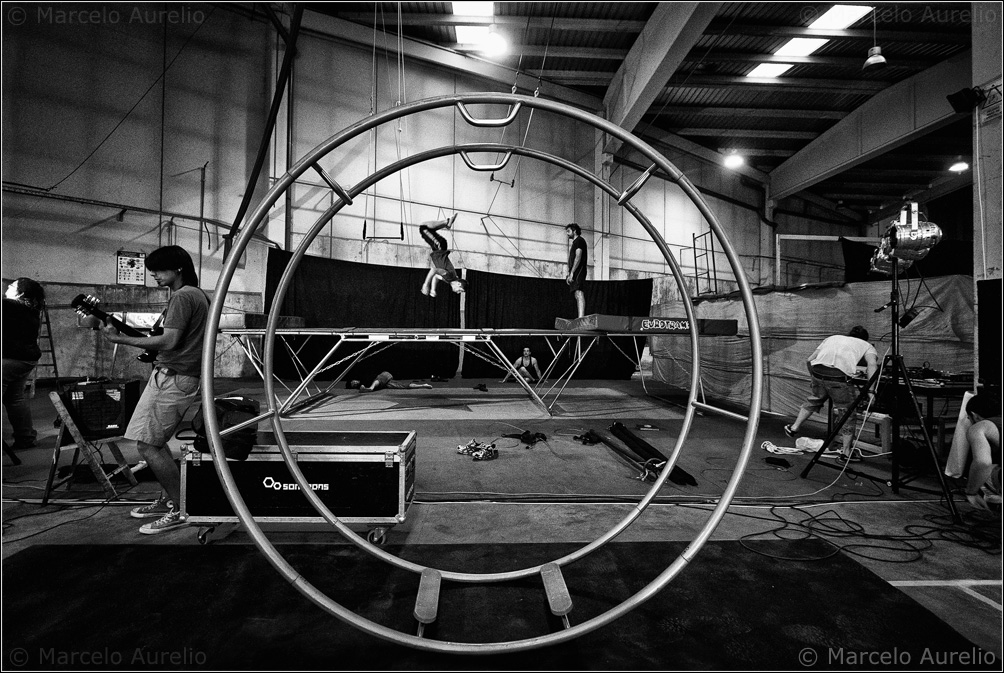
(501, 302)
(988, 294)
(947, 258)
(332, 293)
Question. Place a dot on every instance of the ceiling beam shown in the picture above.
(669, 35)
(888, 173)
(764, 113)
(593, 77)
(903, 112)
(937, 189)
(722, 27)
(878, 187)
(814, 59)
(543, 22)
(346, 31)
(787, 84)
(517, 50)
(673, 141)
(755, 152)
(857, 197)
(746, 133)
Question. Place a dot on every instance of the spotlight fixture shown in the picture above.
(875, 58)
(965, 100)
(883, 261)
(959, 166)
(906, 241)
(733, 160)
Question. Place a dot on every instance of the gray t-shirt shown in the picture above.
(188, 311)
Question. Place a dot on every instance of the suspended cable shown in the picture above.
(714, 43)
(526, 135)
(136, 104)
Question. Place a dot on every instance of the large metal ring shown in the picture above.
(257, 217)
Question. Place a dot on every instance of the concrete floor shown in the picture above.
(908, 540)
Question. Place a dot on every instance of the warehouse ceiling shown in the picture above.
(676, 75)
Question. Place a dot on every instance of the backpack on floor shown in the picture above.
(230, 411)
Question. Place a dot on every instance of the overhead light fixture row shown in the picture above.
(837, 17)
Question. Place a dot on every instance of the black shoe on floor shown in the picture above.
(791, 433)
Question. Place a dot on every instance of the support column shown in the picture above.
(987, 206)
(600, 250)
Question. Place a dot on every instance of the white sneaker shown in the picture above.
(158, 508)
(171, 520)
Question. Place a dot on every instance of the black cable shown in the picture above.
(136, 104)
(46, 530)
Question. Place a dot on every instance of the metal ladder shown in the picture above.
(48, 347)
(710, 273)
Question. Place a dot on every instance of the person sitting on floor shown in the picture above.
(523, 364)
(384, 380)
(978, 435)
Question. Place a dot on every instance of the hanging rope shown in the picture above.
(372, 132)
(488, 212)
(401, 99)
(379, 20)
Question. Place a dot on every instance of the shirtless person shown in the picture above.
(523, 364)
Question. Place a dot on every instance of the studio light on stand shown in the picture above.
(907, 240)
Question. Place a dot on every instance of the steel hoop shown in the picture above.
(213, 430)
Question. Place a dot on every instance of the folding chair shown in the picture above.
(91, 451)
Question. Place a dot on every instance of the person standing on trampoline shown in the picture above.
(578, 256)
(441, 268)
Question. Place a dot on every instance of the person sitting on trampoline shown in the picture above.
(523, 364)
(441, 268)
(384, 380)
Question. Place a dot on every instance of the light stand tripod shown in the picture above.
(893, 363)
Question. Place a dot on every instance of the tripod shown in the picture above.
(897, 370)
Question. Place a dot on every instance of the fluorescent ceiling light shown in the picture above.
(800, 46)
(483, 39)
(835, 18)
(474, 8)
(471, 34)
(959, 167)
(769, 70)
(494, 44)
(838, 17)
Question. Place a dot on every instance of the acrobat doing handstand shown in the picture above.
(441, 268)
